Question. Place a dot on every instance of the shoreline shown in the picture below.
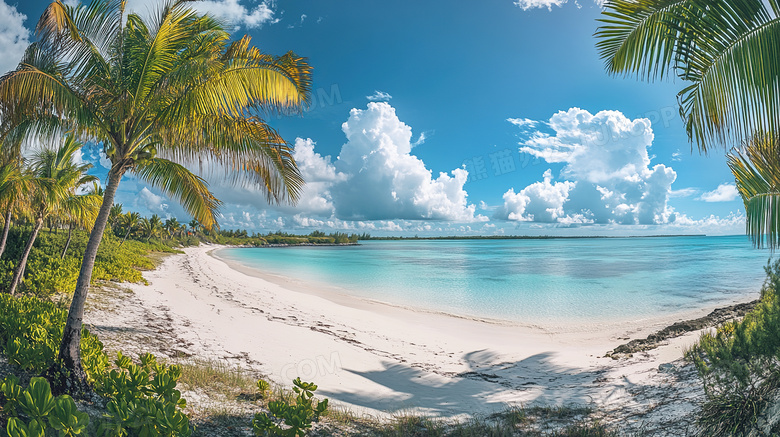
(626, 328)
(381, 360)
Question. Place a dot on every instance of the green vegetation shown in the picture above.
(297, 417)
(142, 399)
(33, 410)
(725, 53)
(739, 364)
(158, 95)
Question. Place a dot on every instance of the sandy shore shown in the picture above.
(378, 359)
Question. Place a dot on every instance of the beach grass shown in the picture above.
(234, 398)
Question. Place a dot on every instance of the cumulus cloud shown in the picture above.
(379, 96)
(232, 11)
(319, 174)
(540, 201)
(238, 14)
(14, 37)
(607, 172)
(385, 181)
(724, 193)
(151, 202)
(374, 177)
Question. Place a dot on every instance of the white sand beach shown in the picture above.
(378, 359)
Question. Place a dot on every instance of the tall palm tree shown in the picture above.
(129, 221)
(57, 177)
(15, 184)
(158, 95)
(726, 52)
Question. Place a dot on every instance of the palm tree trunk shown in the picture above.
(71, 377)
(126, 234)
(67, 243)
(6, 228)
(19, 271)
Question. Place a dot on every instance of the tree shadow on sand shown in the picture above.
(487, 386)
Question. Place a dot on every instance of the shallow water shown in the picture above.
(531, 281)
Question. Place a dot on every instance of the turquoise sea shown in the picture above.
(530, 281)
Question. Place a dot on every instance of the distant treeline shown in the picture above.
(518, 237)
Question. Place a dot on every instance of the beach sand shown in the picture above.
(380, 360)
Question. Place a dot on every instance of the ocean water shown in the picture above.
(530, 281)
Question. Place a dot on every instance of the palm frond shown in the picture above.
(756, 169)
(178, 182)
(635, 36)
(243, 149)
(725, 51)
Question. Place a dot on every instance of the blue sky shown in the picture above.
(508, 100)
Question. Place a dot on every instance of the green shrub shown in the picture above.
(740, 363)
(143, 399)
(31, 332)
(33, 410)
(297, 418)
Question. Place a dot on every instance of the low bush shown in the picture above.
(33, 410)
(142, 398)
(31, 331)
(290, 419)
(740, 364)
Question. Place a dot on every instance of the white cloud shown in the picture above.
(379, 96)
(319, 174)
(539, 202)
(538, 4)
(232, 11)
(724, 193)
(683, 192)
(533, 4)
(523, 122)
(238, 14)
(420, 140)
(14, 37)
(608, 172)
(374, 177)
(385, 181)
(151, 202)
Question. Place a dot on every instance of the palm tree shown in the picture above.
(151, 226)
(56, 179)
(15, 184)
(726, 52)
(171, 226)
(194, 225)
(114, 214)
(158, 95)
(130, 222)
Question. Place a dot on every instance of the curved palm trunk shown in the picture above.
(71, 377)
(126, 234)
(19, 271)
(6, 228)
(67, 243)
